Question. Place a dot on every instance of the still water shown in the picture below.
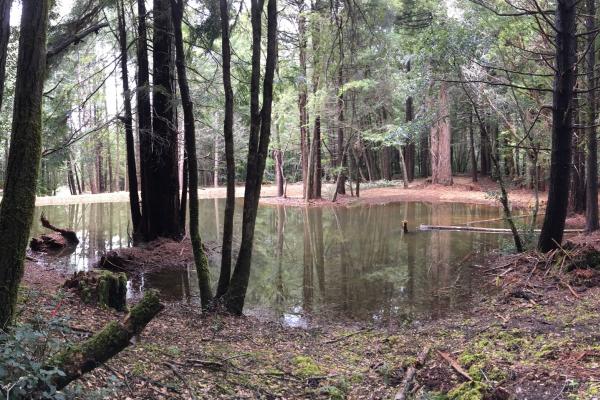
(341, 262)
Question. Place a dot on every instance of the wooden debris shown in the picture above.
(410, 374)
(455, 365)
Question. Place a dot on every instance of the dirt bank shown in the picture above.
(463, 191)
(535, 338)
(155, 256)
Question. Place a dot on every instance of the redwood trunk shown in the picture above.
(18, 202)
(562, 129)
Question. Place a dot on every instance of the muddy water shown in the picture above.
(351, 262)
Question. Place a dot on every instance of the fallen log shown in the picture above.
(455, 365)
(407, 382)
(67, 234)
(82, 358)
(461, 228)
(61, 239)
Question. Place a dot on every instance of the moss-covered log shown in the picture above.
(115, 337)
(105, 288)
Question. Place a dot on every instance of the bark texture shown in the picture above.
(226, 248)
(4, 38)
(591, 216)
(562, 126)
(134, 201)
(440, 140)
(192, 162)
(18, 202)
(258, 147)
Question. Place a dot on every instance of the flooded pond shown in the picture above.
(354, 261)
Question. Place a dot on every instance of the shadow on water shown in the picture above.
(337, 262)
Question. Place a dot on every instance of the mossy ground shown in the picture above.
(542, 348)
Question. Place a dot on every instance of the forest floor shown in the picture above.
(532, 333)
(463, 190)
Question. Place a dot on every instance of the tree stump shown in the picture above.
(104, 288)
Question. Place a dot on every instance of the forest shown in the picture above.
(293, 199)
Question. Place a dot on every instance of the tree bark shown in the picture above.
(441, 163)
(562, 129)
(144, 116)
(226, 248)
(472, 148)
(134, 201)
(409, 149)
(591, 215)
(258, 147)
(190, 147)
(162, 181)
(315, 163)
(18, 202)
(303, 99)
(4, 38)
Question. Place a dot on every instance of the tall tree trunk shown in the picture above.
(409, 149)
(226, 247)
(485, 151)
(472, 148)
(258, 148)
(134, 201)
(591, 215)
(441, 163)
(562, 129)
(315, 162)
(190, 146)
(4, 38)
(144, 117)
(303, 99)
(278, 158)
(18, 202)
(162, 183)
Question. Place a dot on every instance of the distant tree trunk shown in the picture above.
(216, 161)
(303, 99)
(441, 163)
(18, 202)
(134, 201)
(190, 145)
(70, 178)
(315, 163)
(162, 183)
(591, 216)
(341, 154)
(258, 148)
(485, 151)
(562, 129)
(403, 168)
(472, 148)
(409, 149)
(144, 117)
(4, 39)
(226, 247)
(424, 154)
(278, 158)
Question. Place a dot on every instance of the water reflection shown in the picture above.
(354, 262)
